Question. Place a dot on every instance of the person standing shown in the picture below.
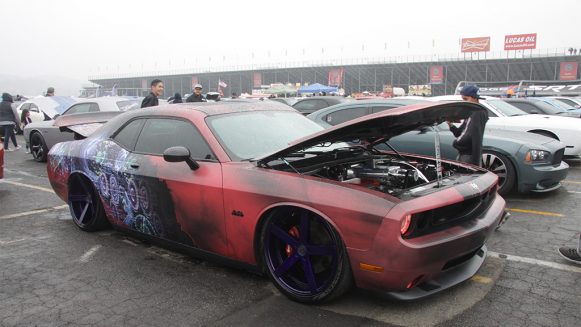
(197, 95)
(25, 120)
(177, 98)
(7, 121)
(50, 92)
(469, 135)
(151, 99)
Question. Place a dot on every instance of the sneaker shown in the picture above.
(8, 150)
(570, 254)
(27, 151)
(18, 147)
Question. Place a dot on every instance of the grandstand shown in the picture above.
(357, 76)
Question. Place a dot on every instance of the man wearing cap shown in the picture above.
(197, 95)
(50, 92)
(469, 135)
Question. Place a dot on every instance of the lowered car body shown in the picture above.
(221, 180)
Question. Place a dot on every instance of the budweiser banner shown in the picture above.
(568, 71)
(257, 80)
(436, 74)
(476, 44)
(520, 41)
(194, 81)
(335, 77)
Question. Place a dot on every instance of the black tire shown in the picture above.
(321, 252)
(85, 205)
(502, 167)
(38, 147)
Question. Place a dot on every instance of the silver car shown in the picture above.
(41, 136)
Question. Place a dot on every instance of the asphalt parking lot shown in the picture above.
(52, 274)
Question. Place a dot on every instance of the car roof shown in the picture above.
(227, 107)
(107, 99)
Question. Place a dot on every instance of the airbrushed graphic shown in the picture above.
(316, 214)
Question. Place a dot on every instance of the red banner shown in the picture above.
(568, 71)
(475, 44)
(194, 81)
(336, 77)
(520, 41)
(436, 74)
(257, 79)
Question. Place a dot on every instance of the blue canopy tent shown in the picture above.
(317, 88)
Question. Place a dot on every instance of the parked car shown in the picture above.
(46, 108)
(571, 102)
(287, 101)
(312, 104)
(207, 178)
(41, 136)
(505, 116)
(545, 106)
(508, 154)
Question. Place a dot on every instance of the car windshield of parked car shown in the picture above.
(128, 104)
(250, 135)
(505, 108)
(558, 106)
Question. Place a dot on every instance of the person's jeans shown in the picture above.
(9, 134)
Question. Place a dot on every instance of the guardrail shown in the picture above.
(435, 58)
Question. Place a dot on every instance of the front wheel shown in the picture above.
(38, 147)
(304, 256)
(503, 168)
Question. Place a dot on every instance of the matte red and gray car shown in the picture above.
(258, 185)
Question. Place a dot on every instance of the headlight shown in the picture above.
(537, 156)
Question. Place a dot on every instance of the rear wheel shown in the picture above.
(85, 205)
(502, 167)
(304, 256)
(38, 147)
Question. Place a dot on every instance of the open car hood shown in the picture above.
(84, 124)
(384, 125)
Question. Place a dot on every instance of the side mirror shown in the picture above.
(180, 154)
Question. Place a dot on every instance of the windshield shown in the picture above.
(558, 105)
(254, 134)
(128, 104)
(505, 108)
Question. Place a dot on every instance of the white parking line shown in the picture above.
(91, 252)
(532, 261)
(574, 192)
(7, 181)
(33, 212)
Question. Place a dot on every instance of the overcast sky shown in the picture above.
(80, 38)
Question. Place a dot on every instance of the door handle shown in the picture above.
(134, 165)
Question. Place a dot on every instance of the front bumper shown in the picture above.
(542, 178)
(430, 263)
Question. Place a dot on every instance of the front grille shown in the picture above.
(558, 156)
(444, 217)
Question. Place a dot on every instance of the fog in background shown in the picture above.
(62, 43)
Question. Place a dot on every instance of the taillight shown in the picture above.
(406, 223)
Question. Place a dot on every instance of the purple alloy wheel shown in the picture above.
(304, 266)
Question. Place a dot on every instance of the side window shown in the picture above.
(94, 107)
(25, 106)
(78, 108)
(380, 109)
(127, 136)
(341, 116)
(159, 134)
(526, 107)
(34, 107)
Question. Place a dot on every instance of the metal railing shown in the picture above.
(330, 62)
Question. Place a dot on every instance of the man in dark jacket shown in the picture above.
(156, 90)
(8, 121)
(197, 95)
(469, 135)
